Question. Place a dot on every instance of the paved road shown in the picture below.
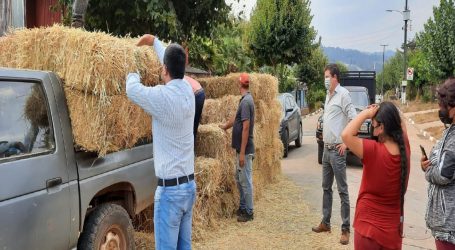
(302, 167)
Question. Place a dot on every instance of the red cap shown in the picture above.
(244, 79)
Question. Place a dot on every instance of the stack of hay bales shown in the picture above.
(216, 158)
(93, 67)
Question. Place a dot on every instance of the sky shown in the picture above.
(360, 24)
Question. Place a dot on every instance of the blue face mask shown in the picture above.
(327, 83)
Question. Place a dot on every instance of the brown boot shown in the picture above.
(344, 240)
(321, 228)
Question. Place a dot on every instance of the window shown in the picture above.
(290, 103)
(24, 120)
(359, 98)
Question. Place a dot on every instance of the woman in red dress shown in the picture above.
(378, 220)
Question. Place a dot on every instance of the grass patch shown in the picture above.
(414, 106)
(426, 117)
(436, 132)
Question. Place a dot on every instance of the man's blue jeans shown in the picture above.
(244, 179)
(173, 216)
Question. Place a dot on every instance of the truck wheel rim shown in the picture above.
(114, 239)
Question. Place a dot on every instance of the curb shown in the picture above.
(313, 113)
(421, 131)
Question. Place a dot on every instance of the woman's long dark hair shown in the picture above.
(389, 117)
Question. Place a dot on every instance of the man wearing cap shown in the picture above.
(242, 142)
(172, 107)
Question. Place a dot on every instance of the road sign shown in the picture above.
(410, 74)
(404, 83)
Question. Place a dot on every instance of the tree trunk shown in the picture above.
(5, 16)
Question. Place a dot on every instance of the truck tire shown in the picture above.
(298, 142)
(320, 152)
(108, 227)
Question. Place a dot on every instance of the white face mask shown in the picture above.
(327, 83)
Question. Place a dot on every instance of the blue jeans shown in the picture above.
(244, 179)
(173, 216)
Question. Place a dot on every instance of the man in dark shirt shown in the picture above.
(242, 142)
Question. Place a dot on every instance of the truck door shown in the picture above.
(34, 193)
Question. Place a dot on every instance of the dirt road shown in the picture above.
(302, 167)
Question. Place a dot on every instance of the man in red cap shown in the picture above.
(242, 142)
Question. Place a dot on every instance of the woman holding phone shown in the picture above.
(439, 172)
(378, 220)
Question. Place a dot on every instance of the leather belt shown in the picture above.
(175, 181)
(331, 146)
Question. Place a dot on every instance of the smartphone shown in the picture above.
(423, 152)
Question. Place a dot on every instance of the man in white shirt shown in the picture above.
(172, 107)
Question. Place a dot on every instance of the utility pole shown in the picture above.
(383, 70)
(406, 18)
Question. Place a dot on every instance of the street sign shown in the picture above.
(404, 83)
(410, 74)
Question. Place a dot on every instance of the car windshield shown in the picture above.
(359, 99)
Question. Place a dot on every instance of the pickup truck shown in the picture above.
(51, 195)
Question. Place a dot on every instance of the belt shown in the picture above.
(331, 146)
(175, 181)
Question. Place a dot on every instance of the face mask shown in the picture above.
(327, 83)
(444, 116)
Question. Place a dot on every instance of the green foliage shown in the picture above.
(312, 73)
(281, 34)
(175, 20)
(437, 41)
(223, 53)
(280, 31)
(393, 73)
(342, 67)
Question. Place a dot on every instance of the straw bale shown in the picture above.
(213, 142)
(208, 173)
(106, 126)
(93, 62)
(262, 86)
(35, 109)
(220, 110)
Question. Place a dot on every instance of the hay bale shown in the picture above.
(35, 108)
(213, 142)
(208, 175)
(107, 126)
(219, 110)
(262, 86)
(92, 62)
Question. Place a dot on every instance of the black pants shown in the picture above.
(200, 99)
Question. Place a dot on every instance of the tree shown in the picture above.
(392, 72)
(437, 41)
(224, 52)
(281, 34)
(342, 67)
(175, 20)
(312, 73)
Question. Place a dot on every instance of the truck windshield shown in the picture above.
(359, 98)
